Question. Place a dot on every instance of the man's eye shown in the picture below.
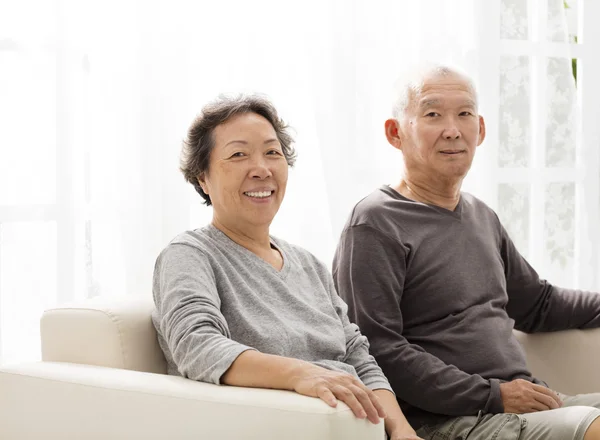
(466, 114)
(432, 114)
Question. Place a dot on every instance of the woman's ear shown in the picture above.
(202, 182)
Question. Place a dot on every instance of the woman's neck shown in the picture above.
(252, 238)
(255, 239)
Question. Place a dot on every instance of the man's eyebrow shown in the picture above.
(426, 103)
(429, 103)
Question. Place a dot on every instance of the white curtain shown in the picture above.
(97, 96)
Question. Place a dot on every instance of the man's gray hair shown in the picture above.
(410, 84)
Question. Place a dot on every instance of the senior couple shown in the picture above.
(424, 271)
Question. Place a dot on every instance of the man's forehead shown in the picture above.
(451, 89)
(436, 99)
(446, 85)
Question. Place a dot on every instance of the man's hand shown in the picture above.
(330, 386)
(521, 396)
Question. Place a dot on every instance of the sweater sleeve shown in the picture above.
(538, 306)
(369, 271)
(189, 316)
(357, 347)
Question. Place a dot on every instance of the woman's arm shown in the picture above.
(189, 319)
(357, 347)
(357, 355)
(255, 369)
(396, 424)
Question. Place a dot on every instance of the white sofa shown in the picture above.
(103, 377)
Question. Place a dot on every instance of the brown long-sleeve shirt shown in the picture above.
(437, 293)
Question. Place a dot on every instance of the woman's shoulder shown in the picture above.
(201, 243)
(300, 254)
(199, 239)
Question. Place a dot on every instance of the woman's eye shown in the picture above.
(274, 152)
(432, 114)
(237, 154)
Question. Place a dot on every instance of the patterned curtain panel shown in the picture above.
(538, 136)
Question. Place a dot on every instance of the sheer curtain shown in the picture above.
(96, 98)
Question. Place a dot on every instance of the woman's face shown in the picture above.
(247, 173)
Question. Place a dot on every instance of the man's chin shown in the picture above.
(454, 174)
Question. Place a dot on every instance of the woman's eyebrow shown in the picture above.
(243, 142)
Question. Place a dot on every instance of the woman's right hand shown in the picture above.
(331, 386)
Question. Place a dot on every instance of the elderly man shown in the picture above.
(434, 281)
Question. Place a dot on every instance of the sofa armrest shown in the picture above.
(566, 360)
(119, 329)
(51, 400)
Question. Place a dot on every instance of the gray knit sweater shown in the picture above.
(215, 299)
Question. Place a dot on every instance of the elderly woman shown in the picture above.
(239, 307)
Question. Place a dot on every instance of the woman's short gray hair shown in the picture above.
(199, 143)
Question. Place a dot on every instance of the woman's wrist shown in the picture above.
(297, 371)
(401, 431)
(396, 424)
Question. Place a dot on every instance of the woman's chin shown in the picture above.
(261, 217)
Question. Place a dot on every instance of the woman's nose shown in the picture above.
(260, 169)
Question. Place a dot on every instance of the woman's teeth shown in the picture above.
(260, 194)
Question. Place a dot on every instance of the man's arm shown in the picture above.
(538, 306)
(369, 272)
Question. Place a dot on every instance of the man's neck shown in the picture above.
(443, 194)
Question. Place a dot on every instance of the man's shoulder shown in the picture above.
(476, 205)
(377, 205)
(472, 200)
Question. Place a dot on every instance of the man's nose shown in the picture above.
(451, 132)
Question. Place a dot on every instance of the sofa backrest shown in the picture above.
(109, 332)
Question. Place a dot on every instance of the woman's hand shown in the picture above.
(331, 386)
(400, 436)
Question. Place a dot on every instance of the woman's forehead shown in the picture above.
(242, 126)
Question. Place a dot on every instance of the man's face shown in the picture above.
(441, 129)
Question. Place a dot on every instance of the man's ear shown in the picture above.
(202, 182)
(481, 130)
(392, 133)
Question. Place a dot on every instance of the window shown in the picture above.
(543, 151)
